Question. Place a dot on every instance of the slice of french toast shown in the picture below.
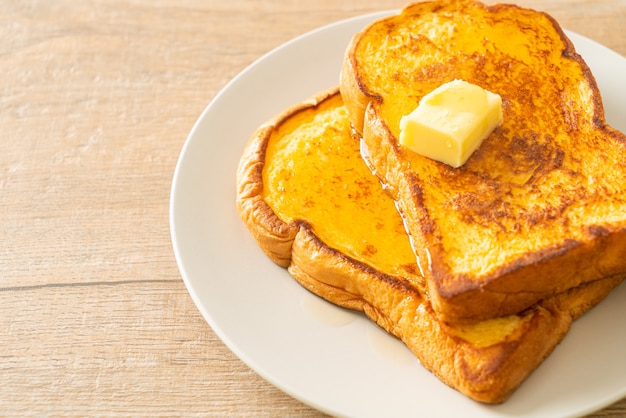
(313, 206)
(540, 206)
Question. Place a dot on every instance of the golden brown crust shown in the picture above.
(487, 370)
(535, 211)
(487, 374)
(274, 236)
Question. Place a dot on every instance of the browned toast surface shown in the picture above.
(540, 207)
(314, 207)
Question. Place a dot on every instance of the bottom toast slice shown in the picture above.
(313, 207)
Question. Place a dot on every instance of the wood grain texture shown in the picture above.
(96, 100)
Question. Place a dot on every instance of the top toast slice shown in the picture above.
(540, 207)
(313, 206)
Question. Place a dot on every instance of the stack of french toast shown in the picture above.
(479, 269)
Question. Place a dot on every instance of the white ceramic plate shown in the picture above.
(336, 360)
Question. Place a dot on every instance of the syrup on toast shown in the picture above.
(540, 207)
(314, 207)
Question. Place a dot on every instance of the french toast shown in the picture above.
(540, 206)
(313, 206)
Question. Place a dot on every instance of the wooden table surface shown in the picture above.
(96, 100)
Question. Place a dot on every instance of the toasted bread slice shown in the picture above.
(314, 207)
(540, 207)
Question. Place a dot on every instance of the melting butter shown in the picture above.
(451, 122)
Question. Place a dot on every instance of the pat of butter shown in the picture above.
(451, 122)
